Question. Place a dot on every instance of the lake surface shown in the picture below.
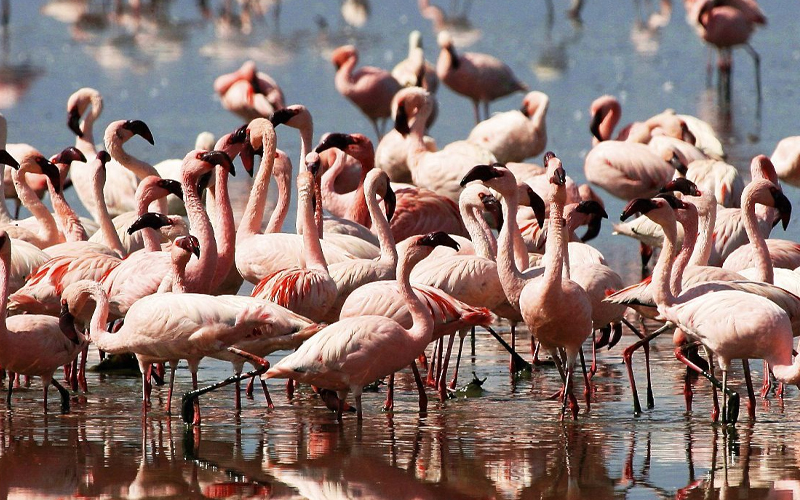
(504, 443)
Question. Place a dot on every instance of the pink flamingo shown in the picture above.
(480, 77)
(353, 352)
(249, 93)
(33, 344)
(308, 290)
(786, 159)
(415, 71)
(727, 24)
(120, 195)
(729, 323)
(391, 155)
(515, 135)
(371, 89)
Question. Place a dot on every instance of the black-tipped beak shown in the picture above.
(282, 116)
(314, 165)
(439, 238)
(559, 177)
(51, 171)
(481, 173)
(152, 220)
(682, 185)
(239, 136)
(677, 164)
(104, 157)
(524, 111)
(66, 322)
(783, 205)
(219, 158)
(190, 244)
(673, 201)
(594, 125)
(592, 229)
(203, 182)
(401, 120)
(492, 205)
(538, 206)
(74, 122)
(389, 202)
(139, 127)
(68, 155)
(638, 205)
(248, 156)
(7, 159)
(334, 140)
(171, 186)
(592, 207)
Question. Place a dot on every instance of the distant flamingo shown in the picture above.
(480, 77)
(33, 344)
(786, 159)
(371, 89)
(515, 135)
(353, 352)
(308, 290)
(415, 71)
(391, 155)
(249, 93)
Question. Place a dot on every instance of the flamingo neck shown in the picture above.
(85, 144)
(225, 229)
(112, 343)
(5, 275)
(359, 212)
(140, 168)
(783, 368)
(5, 215)
(416, 136)
(689, 223)
(384, 231)
(150, 237)
(254, 211)
(312, 248)
(344, 80)
(705, 243)
(763, 263)
(476, 231)
(306, 138)
(201, 272)
(334, 200)
(510, 276)
(554, 250)
(283, 175)
(71, 224)
(107, 229)
(421, 320)
(48, 233)
(179, 275)
(610, 121)
(661, 273)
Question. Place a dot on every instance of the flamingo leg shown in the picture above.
(751, 397)
(250, 388)
(423, 398)
(265, 390)
(172, 367)
(715, 410)
(627, 356)
(10, 390)
(73, 374)
(458, 363)
(432, 365)
(388, 405)
(519, 362)
(195, 402)
(593, 368)
(82, 370)
(680, 353)
(587, 388)
(442, 380)
(289, 388)
(472, 342)
(357, 395)
(46, 386)
(237, 394)
(64, 395)
(475, 106)
(757, 64)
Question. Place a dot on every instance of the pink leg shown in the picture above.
(82, 370)
(442, 380)
(270, 405)
(172, 368)
(423, 398)
(388, 405)
(289, 389)
(432, 366)
(196, 419)
(237, 395)
(250, 387)
(458, 363)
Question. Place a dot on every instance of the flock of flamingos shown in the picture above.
(416, 244)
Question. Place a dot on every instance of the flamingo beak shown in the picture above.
(335, 140)
(682, 185)
(139, 127)
(68, 155)
(638, 205)
(678, 164)
(219, 158)
(593, 229)
(401, 120)
(152, 220)
(594, 125)
(481, 173)
(66, 322)
(7, 159)
(784, 207)
(74, 122)
(439, 238)
(282, 116)
(493, 206)
(538, 206)
(559, 177)
(171, 186)
(104, 157)
(248, 156)
(51, 171)
(592, 207)
(389, 202)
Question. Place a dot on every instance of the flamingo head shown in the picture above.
(342, 54)
(66, 323)
(7, 159)
(558, 176)
(74, 298)
(104, 157)
(188, 243)
(761, 167)
(356, 145)
(313, 163)
(152, 220)
(68, 155)
(646, 206)
(533, 200)
(389, 201)
(239, 141)
(438, 238)
(291, 116)
(783, 205)
(676, 159)
(492, 205)
(46, 167)
(171, 186)
(533, 101)
(138, 127)
(217, 158)
(74, 120)
(600, 110)
(595, 213)
(682, 185)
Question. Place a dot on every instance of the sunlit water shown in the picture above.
(505, 442)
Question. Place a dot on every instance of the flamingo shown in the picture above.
(480, 77)
(249, 93)
(120, 194)
(371, 89)
(515, 135)
(33, 344)
(442, 170)
(415, 71)
(353, 274)
(391, 155)
(606, 112)
(731, 324)
(308, 290)
(353, 352)
(786, 159)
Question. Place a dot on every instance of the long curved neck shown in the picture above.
(110, 342)
(344, 75)
(761, 256)
(71, 224)
(225, 229)
(5, 274)
(140, 168)
(330, 196)
(5, 215)
(510, 276)
(200, 272)
(150, 237)
(705, 243)
(382, 228)
(422, 321)
(312, 248)
(254, 211)
(179, 275)
(107, 229)
(283, 175)
(48, 230)
(661, 273)
(416, 137)
(554, 247)
(85, 144)
(610, 122)
(689, 223)
(306, 138)
(358, 211)
(476, 232)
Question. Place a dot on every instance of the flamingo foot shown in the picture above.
(249, 391)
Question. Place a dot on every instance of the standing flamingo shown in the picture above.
(371, 89)
(33, 344)
(353, 352)
(480, 77)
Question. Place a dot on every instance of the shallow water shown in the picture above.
(505, 443)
